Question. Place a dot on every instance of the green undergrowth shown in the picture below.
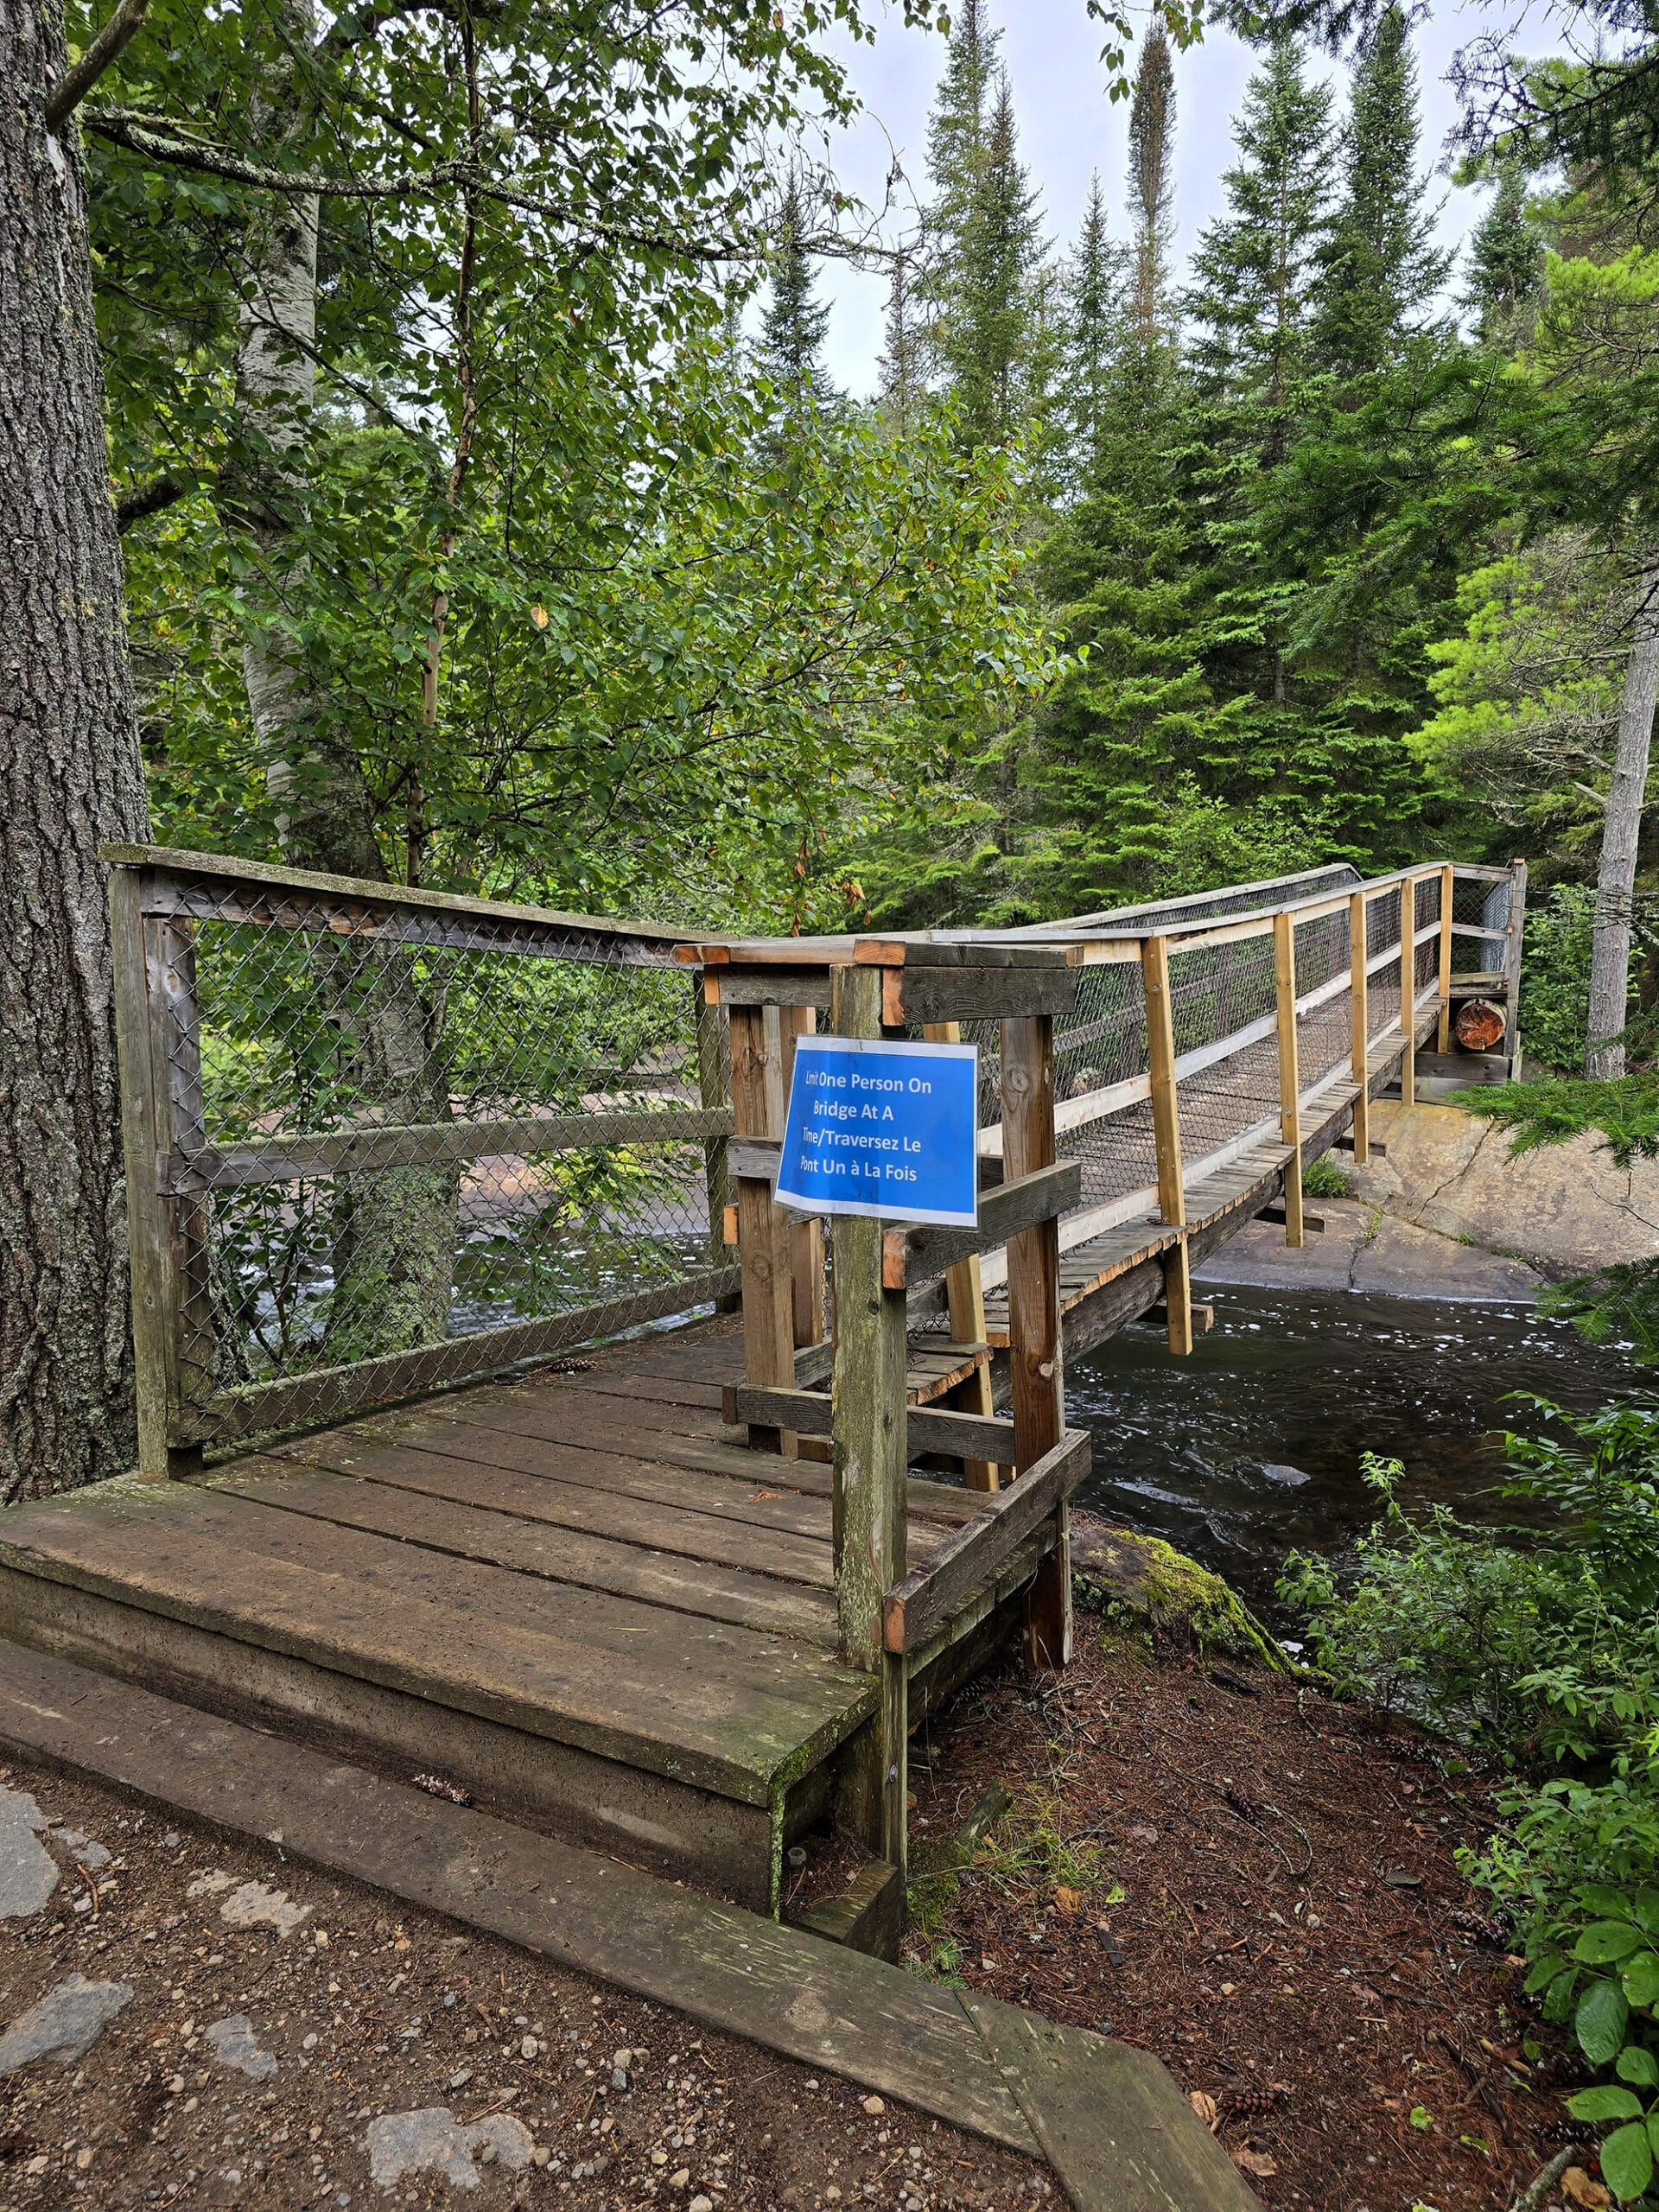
(1539, 1644)
(1323, 1178)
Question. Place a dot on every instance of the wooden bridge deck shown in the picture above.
(580, 1595)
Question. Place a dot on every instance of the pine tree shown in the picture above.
(1256, 269)
(1093, 333)
(1379, 269)
(794, 321)
(899, 372)
(1152, 187)
(1506, 264)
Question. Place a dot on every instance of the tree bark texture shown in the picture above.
(71, 775)
(1610, 950)
(395, 1232)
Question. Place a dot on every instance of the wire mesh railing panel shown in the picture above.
(388, 1148)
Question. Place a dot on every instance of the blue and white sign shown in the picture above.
(883, 1129)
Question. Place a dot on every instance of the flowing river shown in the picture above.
(1251, 1449)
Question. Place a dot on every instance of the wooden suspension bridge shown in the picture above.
(684, 1597)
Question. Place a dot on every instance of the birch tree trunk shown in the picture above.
(1610, 951)
(71, 775)
(394, 1234)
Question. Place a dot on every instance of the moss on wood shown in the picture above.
(1183, 1606)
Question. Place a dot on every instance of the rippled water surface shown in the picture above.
(1251, 1449)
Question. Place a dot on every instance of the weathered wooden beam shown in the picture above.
(1444, 1038)
(1360, 1021)
(927, 1429)
(326, 1393)
(1290, 1081)
(979, 994)
(767, 986)
(964, 1298)
(155, 1290)
(867, 1393)
(220, 886)
(1011, 1207)
(762, 1227)
(924, 1601)
(1166, 1137)
(419, 1144)
(1408, 986)
(1035, 1357)
(1512, 951)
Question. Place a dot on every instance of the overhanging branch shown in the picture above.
(77, 81)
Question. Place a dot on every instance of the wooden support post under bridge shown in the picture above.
(1166, 1137)
(1290, 1076)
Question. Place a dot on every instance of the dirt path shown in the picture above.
(259, 2035)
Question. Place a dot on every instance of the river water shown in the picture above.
(1251, 1449)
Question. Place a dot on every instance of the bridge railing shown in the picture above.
(380, 1141)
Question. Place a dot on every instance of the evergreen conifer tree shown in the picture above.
(899, 372)
(794, 320)
(1093, 333)
(1506, 263)
(1379, 268)
(1152, 187)
(1255, 268)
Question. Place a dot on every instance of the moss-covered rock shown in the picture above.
(1183, 1605)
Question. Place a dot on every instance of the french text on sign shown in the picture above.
(883, 1127)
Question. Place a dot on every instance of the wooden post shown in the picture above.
(964, 1298)
(1408, 990)
(713, 1090)
(867, 1425)
(1290, 1072)
(1444, 1044)
(1513, 948)
(1167, 1136)
(161, 1096)
(805, 1238)
(1359, 1009)
(762, 1231)
(1035, 1345)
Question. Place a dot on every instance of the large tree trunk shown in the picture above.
(1610, 953)
(394, 1246)
(70, 775)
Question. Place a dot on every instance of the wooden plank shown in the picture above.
(868, 1391)
(808, 1413)
(647, 1708)
(925, 1600)
(1020, 1204)
(834, 2010)
(936, 994)
(1512, 948)
(228, 877)
(1166, 1138)
(1035, 1341)
(768, 986)
(672, 1508)
(1408, 984)
(1111, 2119)
(326, 1392)
(1290, 1079)
(287, 1159)
(155, 1291)
(1444, 1038)
(869, 1915)
(762, 1228)
(1360, 1024)
(964, 1296)
(744, 1597)
(806, 1244)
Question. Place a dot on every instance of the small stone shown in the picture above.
(255, 1906)
(461, 2077)
(529, 2047)
(679, 2178)
(64, 2025)
(233, 2043)
(874, 2107)
(619, 2079)
(28, 1873)
(83, 2158)
(309, 2042)
(175, 2087)
(659, 2157)
(434, 2140)
(171, 1840)
(707, 2203)
(622, 2060)
(540, 2155)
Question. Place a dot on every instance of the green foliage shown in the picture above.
(1323, 1178)
(1542, 1644)
(1623, 1111)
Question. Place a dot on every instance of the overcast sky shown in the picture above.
(1068, 129)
